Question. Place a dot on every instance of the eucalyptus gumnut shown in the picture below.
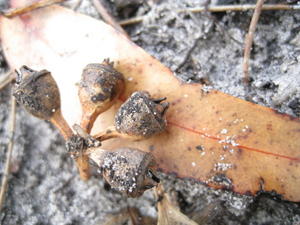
(38, 92)
(128, 170)
(100, 86)
(141, 116)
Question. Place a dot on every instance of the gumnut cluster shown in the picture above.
(128, 170)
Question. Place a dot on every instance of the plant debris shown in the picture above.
(127, 170)
(6, 173)
(138, 118)
(168, 214)
(99, 88)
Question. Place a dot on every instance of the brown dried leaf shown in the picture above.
(212, 137)
(130, 216)
(168, 214)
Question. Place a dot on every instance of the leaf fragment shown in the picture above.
(168, 214)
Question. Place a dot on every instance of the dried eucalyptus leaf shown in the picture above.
(130, 216)
(168, 213)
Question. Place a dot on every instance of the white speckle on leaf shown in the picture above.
(245, 129)
(222, 166)
(235, 121)
(222, 157)
(224, 131)
(206, 88)
(229, 140)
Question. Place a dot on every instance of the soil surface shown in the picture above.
(45, 188)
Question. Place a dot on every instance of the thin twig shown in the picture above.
(6, 79)
(107, 17)
(5, 176)
(188, 55)
(249, 39)
(218, 8)
(218, 25)
(76, 5)
(131, 21)
(64, 185)
(222, 8)
(28, 8)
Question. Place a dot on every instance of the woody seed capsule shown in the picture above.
(99, 88)
(141, 116)
(138, 118)
(127, 170)
(37, 92)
